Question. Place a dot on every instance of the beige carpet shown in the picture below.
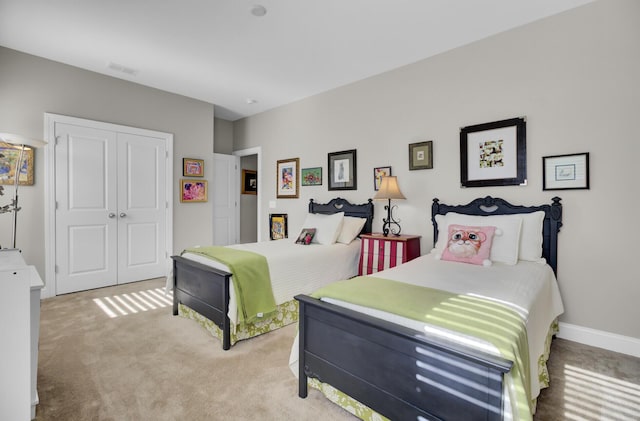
(150, 365)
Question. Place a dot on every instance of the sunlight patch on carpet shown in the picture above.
(134, 302)
(590, 396)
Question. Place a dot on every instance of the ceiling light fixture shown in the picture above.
(251, 101)
(258, 10)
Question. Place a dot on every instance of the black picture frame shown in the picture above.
(278, 226)
(494, 154)
(421, 155)
(343, 170)
(565, 172)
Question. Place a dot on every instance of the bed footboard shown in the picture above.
(205, 290)
(394, 370)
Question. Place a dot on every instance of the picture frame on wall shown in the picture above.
(278, 228)
(311, 176)
(564, 172)
(192, 167)
(192, 191)
(9, 156)
(287, 184)
(421, 155)
(249, 182)
(342, 168)
(378, 173)
(493, 154)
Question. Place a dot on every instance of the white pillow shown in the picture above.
(505, 246)
(327, 226)
(351, 227)
(531, 236)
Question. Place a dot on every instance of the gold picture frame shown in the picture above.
(192, 191)
(8, 157)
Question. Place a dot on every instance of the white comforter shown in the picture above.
(529, 288)
(294, 268)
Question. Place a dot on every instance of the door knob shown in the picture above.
(122, 214)
(112, 215)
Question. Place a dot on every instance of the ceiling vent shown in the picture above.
(123, 69)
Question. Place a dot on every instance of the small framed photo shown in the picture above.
(193, 191)
(311, 176)
(563, 172)
(278, 226)
(493, 154)
(287, 185)
(378, 173)
(342, 167)
(249, 182)
(192, 167)
(9, 156)
(421, 155)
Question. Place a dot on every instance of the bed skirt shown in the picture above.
(365, 413)
(285, 314)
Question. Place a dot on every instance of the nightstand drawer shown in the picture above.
(379, 252)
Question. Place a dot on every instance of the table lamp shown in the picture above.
(389, 190)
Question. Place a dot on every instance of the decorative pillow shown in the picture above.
(306, 235)
(327, 226)
(469, 244)
(531, 237)
(506, 243)
(351, 227)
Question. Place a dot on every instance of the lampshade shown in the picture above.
(389, 189)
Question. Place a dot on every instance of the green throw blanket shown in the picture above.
(477, 317)
(251, 280)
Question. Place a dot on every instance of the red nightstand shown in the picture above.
(379, 252)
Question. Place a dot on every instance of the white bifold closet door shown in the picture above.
(110, 207)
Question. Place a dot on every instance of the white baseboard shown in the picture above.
(601, 339)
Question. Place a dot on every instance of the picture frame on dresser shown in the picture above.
(493, 154)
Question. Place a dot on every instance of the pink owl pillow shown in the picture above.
(469, 244)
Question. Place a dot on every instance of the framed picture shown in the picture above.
(192, 167)
(343, 170)
(249, 182)
(421, 155)
(287, 178)
(378, 173)
(278, 226)
(563, 172)
(8, 161)
(193, 191)
(311, 176)
(493, 154)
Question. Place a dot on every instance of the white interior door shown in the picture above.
(86, 208)
(111, 207)
(226, 193)
(141, 207)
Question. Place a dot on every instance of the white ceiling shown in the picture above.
(217, 51)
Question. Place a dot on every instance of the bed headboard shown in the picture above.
(495, 206)
(342, 205)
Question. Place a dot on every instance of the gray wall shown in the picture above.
(31, 86)
(575, 78)
(249, 205)
(223, 133)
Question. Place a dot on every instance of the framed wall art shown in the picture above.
(311, 176)
(278, 226)
(249, 182)
(378, 173)
(287, 186)
(192, 167)
(193, 191)
(8, 162)
(342, 167)
(563, 172)
(421, 155)
(493, 154)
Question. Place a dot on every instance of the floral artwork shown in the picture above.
(312, 176)
(193, 191)
(287, 178)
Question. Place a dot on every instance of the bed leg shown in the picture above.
(302, 377)
(226, 334)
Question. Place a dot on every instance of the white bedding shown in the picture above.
(530, 288)
(294, 268)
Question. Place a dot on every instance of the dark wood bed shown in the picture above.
(206, 289)
(376, 362)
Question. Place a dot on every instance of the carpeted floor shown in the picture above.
(106, 354)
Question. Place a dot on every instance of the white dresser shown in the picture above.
(19, 331)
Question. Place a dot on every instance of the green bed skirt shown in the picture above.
(285, 314)
(367, 414)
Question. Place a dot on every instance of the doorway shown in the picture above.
(249, 211)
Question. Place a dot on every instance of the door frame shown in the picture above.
(50, 121)
(246, 152)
